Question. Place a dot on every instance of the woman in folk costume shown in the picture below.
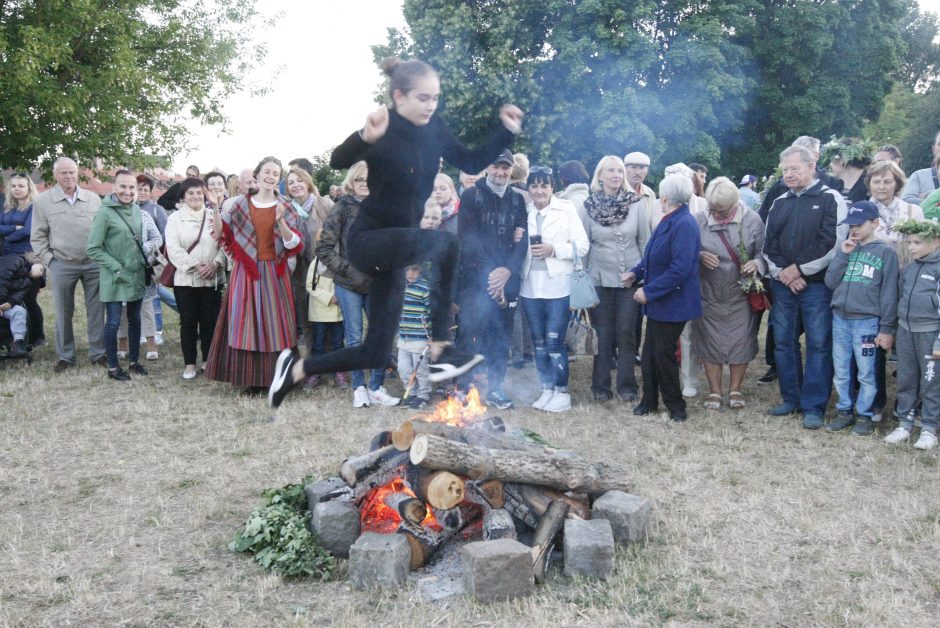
(259, 231)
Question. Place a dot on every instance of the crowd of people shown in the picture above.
(399, 268)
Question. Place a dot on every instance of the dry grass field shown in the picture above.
(118, 501)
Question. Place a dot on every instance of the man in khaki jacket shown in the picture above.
(62, 217)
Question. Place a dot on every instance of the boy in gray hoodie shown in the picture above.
(864, 279)
(918, 328)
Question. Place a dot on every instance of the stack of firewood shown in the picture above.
(430, 481)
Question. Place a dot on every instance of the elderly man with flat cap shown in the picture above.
(637, 166)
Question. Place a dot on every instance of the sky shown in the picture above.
(322, 92)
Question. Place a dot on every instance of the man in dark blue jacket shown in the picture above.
(801, 240)
(491, 226)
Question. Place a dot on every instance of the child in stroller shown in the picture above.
(17, 276)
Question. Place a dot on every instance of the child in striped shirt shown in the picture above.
(413, 336)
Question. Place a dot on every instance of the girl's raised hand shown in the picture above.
(376, 125)
(511, 116)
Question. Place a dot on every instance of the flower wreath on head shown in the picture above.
(928, 229)
(848, 150)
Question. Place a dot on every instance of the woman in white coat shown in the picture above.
(555, 233)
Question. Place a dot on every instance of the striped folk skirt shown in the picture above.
(256, 323)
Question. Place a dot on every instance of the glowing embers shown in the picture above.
(386, 507)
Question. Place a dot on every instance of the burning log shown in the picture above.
(534, 501)
(410, 509)
(487, 494)
(544, 539)
(441, 489)
(372, 467)
(498, 524)
(528, 467)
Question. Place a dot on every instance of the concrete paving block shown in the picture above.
(497, 570)
(379, 560)
(589, 548)
(317, 490)
(629, 515)
(336, 523)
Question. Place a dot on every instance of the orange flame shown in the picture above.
(376, 516)
(457, 411)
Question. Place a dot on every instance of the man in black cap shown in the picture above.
(492, 230)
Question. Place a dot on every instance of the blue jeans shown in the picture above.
(113, 311)
(318, 340)
(809, 389)
(351, 304)
(164, 295)
(548, 323)
(854, 337)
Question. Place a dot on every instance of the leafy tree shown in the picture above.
(114, 80)
(920, 62)
(323, 175)
(726, 83)
(595, 77)
(824, 70)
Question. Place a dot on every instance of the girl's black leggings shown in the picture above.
(384, 254)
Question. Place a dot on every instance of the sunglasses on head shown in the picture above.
(540, 170)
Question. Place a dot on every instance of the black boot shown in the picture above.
(19, 348)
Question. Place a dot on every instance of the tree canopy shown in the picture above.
(726, 83)
(116, 80)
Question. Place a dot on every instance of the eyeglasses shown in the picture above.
(540, 170)
(361, 180)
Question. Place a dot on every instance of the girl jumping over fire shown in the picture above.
(403, 147)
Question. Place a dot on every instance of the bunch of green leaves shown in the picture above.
(278, 534)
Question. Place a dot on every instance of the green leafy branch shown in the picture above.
(279, 535)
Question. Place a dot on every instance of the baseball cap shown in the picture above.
(748, 178)
(860, 212)
(505, 157)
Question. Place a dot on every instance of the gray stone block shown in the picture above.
(336, 523)
(497, 570)
(316, 491)
(589, 548)
(629, 515)
(379, 560)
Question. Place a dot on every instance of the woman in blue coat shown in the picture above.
(671, 296)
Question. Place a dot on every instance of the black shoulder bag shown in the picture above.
(148, 269)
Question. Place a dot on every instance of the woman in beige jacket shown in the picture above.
(199, 278)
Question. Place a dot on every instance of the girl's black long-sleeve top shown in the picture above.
(403, 164)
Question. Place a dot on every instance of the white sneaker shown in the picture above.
(926, 441)
(690, 391)
(876, 417)
(543, 399)
(159, 338)
(560, 402)
(898, 436)
(361, 397)
(382, 397)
